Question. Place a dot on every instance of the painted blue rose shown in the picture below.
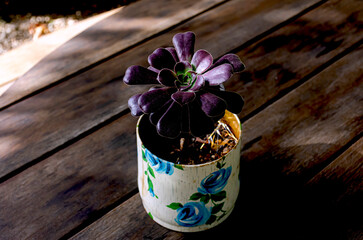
(192, 214)
(215, 182)
(158, 164)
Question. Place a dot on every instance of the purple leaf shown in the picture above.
(218, 74)
(198, 84)
(155, 87)
(154, 117)
(200, 124)
(161, 58)
(212, 105)
(232, 59)
(139, 75)
(184, 45)
(167, 77)
(202, 60)
(234, 100)
(134, 106)
(153, 69)
(183, 97)
(173, 53)
(182, 67)
(169, 124)
(154, 99)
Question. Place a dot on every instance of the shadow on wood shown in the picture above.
(274, 205)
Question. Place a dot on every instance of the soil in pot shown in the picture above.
(187, 149)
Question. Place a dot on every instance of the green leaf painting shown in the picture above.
(151, 171)
(143, 155)
(212, 219)
(219, 196)
(178, 166)
(175, 205)
(205, 198)
(196, 196)
(217, 208)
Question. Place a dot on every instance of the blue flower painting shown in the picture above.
(215, 182)
(211, 191)
(159, 165)
(192, 214)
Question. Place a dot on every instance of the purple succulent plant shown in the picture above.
(189, 96)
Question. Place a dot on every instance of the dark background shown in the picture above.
(9, 8)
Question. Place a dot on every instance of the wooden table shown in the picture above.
(67, 140)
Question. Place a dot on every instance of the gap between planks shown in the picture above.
(63, 146)
(338, 154)
(100, 214)
(316, 71)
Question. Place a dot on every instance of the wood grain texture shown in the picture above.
(285, 145)
(127, 221)
(292, 140)
(132, 24)
(310, 123)
(58, 194)
(347, 169)
(289, 55)
(338, 192)
(47, 120)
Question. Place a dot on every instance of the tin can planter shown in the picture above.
(189, 198)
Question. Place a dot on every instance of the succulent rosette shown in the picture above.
(189, 96)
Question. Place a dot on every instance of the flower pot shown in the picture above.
(189, 198)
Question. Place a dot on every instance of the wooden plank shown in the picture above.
(56, 195)
(283, 58)
(136, 22)
(337, 192)
(299, 135)
(311, 122)
(47, 120)
(284, 145)
(346, 171)
(133, 217)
